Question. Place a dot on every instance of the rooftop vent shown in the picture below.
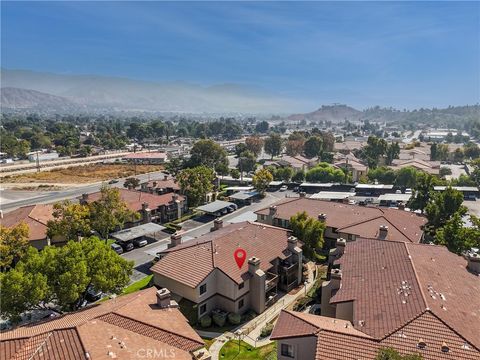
(445, 348)
(421, 344)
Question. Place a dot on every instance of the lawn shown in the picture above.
(208, 342)
(82, 174)
(230, 351)
(138, 285)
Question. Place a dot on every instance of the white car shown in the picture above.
(284, 188)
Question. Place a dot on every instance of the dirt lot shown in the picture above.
(82, 174)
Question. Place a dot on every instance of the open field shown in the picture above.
(81, 174)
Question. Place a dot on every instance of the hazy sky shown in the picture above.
(406, 54)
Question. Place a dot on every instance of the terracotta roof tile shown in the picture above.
(133, 317)
(290, 325)
(364, 221)
(191, 262)
(135, 199)
(34, 216)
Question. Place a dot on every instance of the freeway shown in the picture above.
(13, 199)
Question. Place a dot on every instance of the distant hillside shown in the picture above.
(123, 94)
(15, 98)
(333, 113)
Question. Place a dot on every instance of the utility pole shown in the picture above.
(38, 163)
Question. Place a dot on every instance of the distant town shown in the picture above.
(106, 220)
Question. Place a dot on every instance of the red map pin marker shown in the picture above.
(240, 256)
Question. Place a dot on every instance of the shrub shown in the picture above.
(219, 318)
(250, 315)
(266, 330)
(234, 319)
(206, 321)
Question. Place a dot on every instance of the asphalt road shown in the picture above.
(143, 257)
(13, 199)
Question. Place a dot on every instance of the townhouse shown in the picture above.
(151, 207)
(415, 298)
(161, 186)
(145, 324)
(204, 270)
(348, 221)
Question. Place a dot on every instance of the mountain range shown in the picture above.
(22, 89)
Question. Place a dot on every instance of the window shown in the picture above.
(240, 304)
(203, 309)
(287, 350)
(203, 289)
(240, 286)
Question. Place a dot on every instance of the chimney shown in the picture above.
(154, 183)
(164, 299)
(165, 177)
(292, 243)
(272, 210)
(253, 265)
(473, 263)
(401, 206)
(144, 206)
(144, 186)
(84, 199)
(146, 213)
(340, 246)
(383, 232)
(322, 217)
(303, 194)
(336, 278)
(217, 224)
(175, 240)
(174, 197)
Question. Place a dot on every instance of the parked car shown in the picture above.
(155, 259)
(233, 207)
(284, 188)
(92, 294)
(126, 245)
(113, 181)
(117, 248)
(140, 242)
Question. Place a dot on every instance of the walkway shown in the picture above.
(251, 330)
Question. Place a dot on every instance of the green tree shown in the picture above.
(262, 127)
(442, 206)
(196, 183)
(254, 144)
(310, 231)
(62, 275)
(382, 174)
(433, 151)
(406, 177)
(299, 176)
(13, 244)
(261, 179)
(313, 146)
(273, 145)
(69, 221)
(393, 152)
(285, 174)
(392, 354)
(109, 212)
(235, 173)
(131, 183)
(240, 148)
(324, 172)
(444, 171)
(207, 153)
(422, 191)
(373, 151)
(247, 162)
(457, 237)
(174, 165)
(471, 151)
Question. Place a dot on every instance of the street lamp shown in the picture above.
(305, 283)
(239, 334)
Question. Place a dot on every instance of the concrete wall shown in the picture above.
(176, 288)
(304, 348)
(344, 311)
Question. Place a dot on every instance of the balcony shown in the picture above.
(288, 268)
(271, 281)
(271, 298)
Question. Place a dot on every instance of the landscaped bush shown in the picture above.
(219, 318)
(250, 315)
(234, 319)
(206, 321)
(266, 330)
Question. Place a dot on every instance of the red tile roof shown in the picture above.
(35, 216)
(338, 340)
(164, 184)
(120, 326)
(392, 283)
(135, 199)
(353, 219)
(193, 261)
